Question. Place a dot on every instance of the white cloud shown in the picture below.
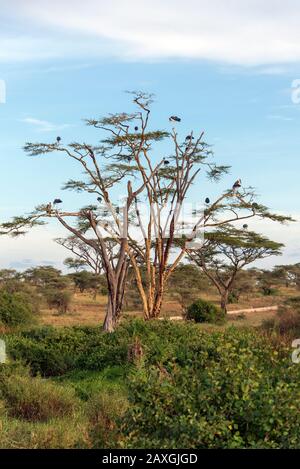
(279, 117)
(44, 126)
(248, 32)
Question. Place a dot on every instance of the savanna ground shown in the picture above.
(86, 310)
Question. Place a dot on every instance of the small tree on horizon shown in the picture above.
(226, 251)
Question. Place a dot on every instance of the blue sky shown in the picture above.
(227, 71)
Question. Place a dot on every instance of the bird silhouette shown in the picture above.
(99, 199)
(166, 162)
(136, 128)
(237, 184)
(207, 200)
(49, 208)
(174, 119)
(189, 137)
(245, 226)
(57, 201)
(58, 139)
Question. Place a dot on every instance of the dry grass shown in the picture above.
(85, 310)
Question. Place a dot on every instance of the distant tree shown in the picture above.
(87, 255)
(289, 274)
(45, 276)
(74, 263)
(228, 250)
(8, 274)
(186, 284)
(85, 280)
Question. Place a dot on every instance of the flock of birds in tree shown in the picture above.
(188, 138)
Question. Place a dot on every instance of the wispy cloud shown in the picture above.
(279, 117)
(243, 33)
(44, 126)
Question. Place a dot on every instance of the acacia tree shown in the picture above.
(146, 229)
(226, 251)
(86, 254)
(158, 211)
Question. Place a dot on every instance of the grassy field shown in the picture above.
(85, 310)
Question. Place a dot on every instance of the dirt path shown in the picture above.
(237, 311)
(254, 310)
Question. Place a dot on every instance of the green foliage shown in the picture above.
(15, 309)
(58, 299)
(227, 389)
(204, 311)
(105, 409)
(233, 297)
(36, 399)
(232, 390)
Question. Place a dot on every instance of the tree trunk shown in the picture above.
(111, 316)
(116, 289)
(224, 301)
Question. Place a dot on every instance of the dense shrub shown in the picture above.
(189, 389)
(15, 309)
(204, 311)
(233, 389)
(58, 299)
(48, 351)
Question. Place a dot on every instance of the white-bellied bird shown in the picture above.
(56, 202)
(237, 184)
(174, 119)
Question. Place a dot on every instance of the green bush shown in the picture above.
(15, 309)
(204, 311)
(189, 389)
(58, 299)
(232, 390)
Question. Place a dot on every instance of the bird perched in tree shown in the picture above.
(245, 226)
(254, 205)
(99, 199)
(166, 162)
(189, 137)
(57, 201)
(237, 184)
(128, 158)
(174, 119)
(136, 128)
(49, 208)
(58, 139)
(207, 200)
